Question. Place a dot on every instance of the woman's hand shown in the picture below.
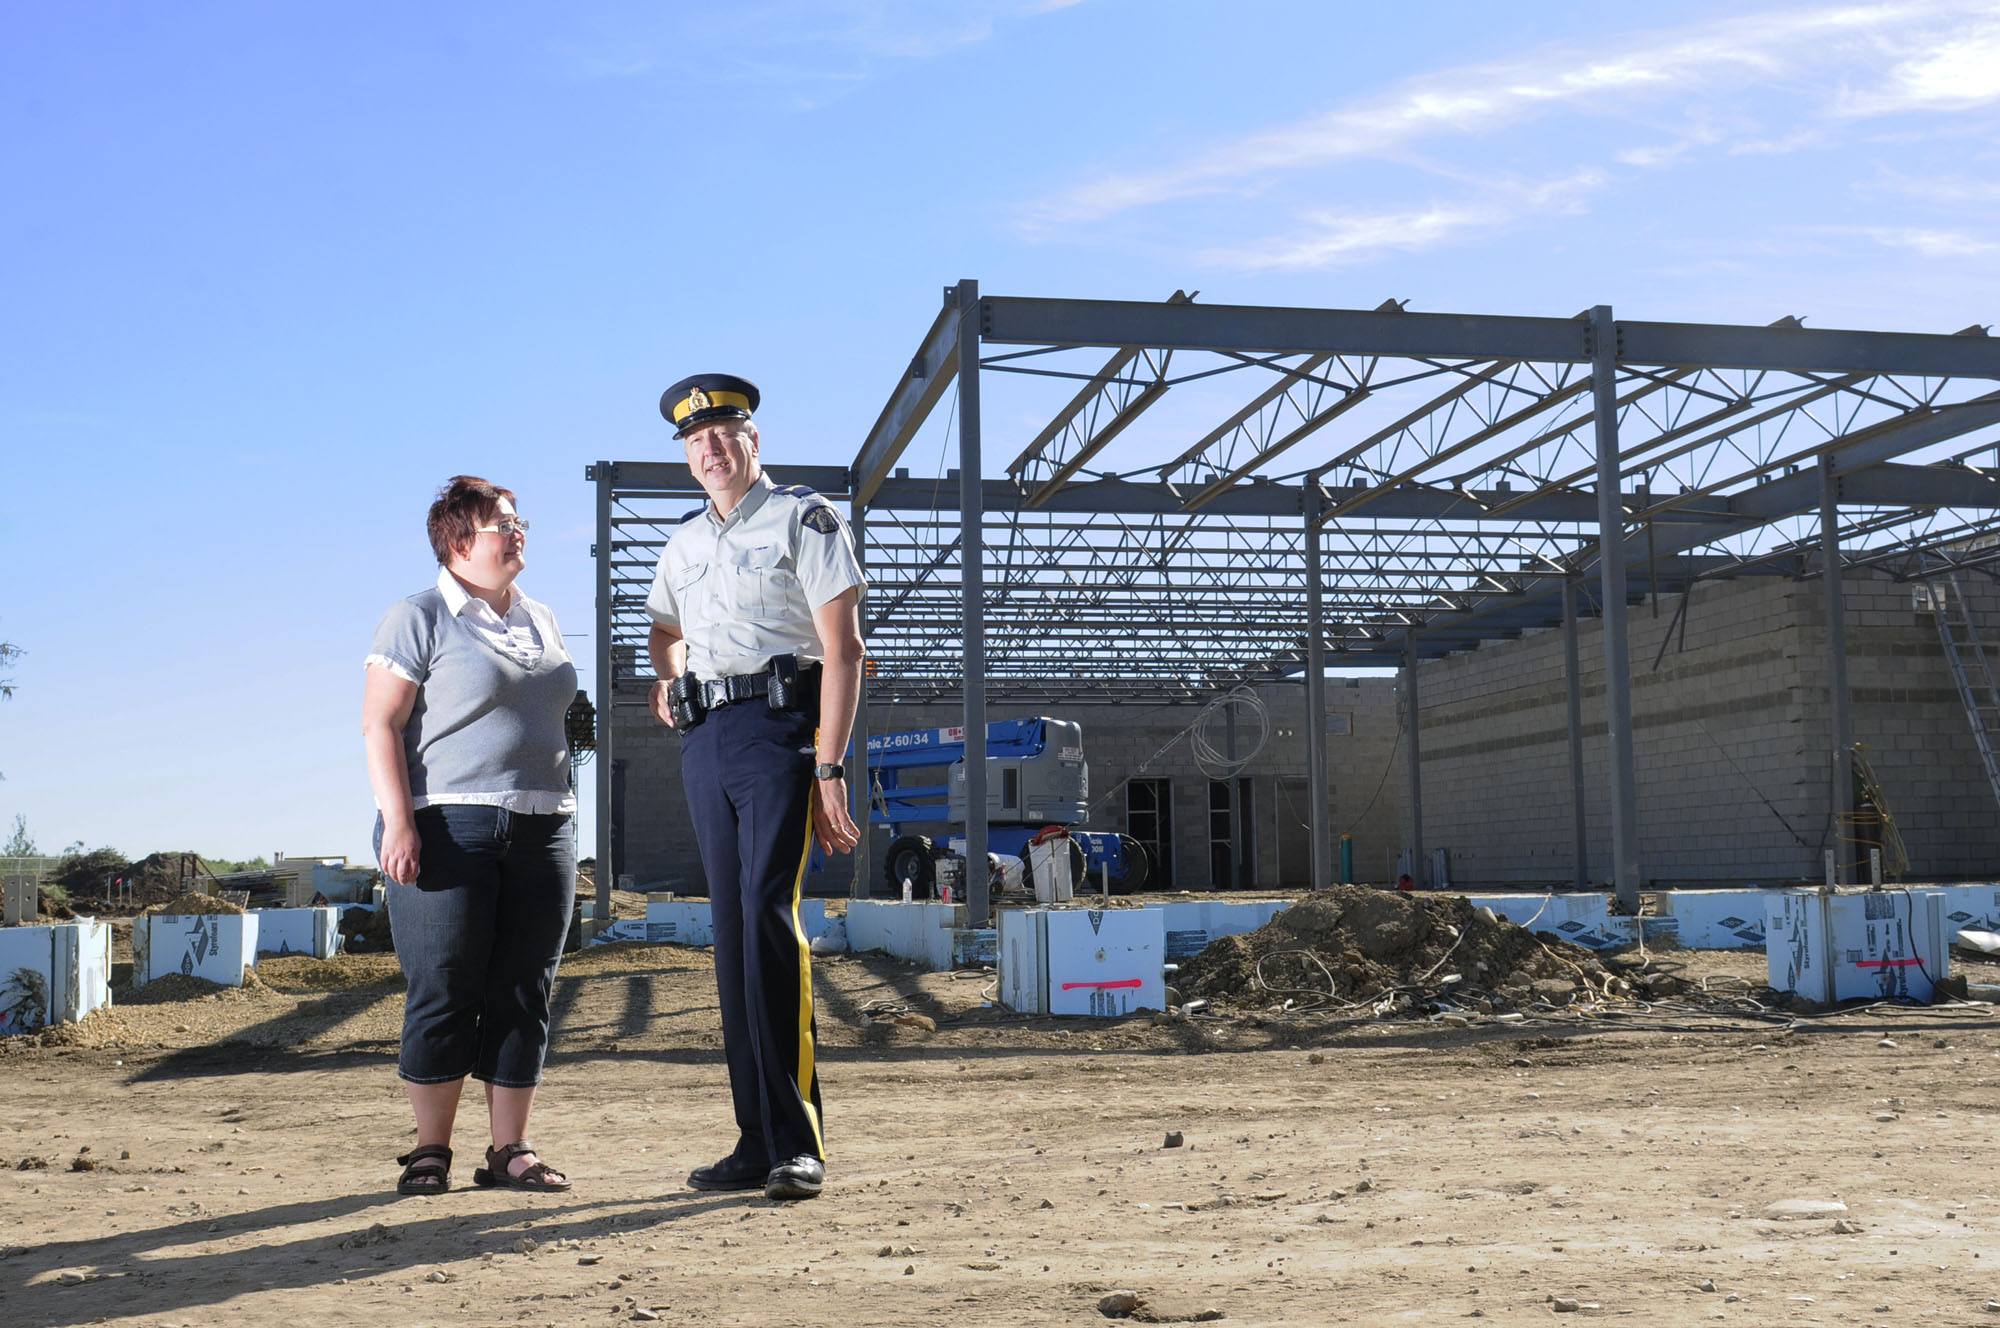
(401, 852)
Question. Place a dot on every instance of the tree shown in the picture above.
(22, 844)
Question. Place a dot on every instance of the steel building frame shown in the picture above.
(1396, 486)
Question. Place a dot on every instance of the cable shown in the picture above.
(1243, 696)
(1217, 764)
(1395, 745)
(1751, 785)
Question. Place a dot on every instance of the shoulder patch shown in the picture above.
(690, 516)
(821, 518)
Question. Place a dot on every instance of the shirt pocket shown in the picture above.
(685, 583)
(758, 581)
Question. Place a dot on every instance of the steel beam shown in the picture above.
(673, 479)
(972, 592)
(861, 790)
(1611, 570)
(1413, 760)
(606, 475)
(913, 399)
(1316, 771)
(1223, 327)
(1840, 716)
(1873, 483)
(1254, 328)
(1811, 350)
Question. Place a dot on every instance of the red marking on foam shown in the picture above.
(1105, 986)
(1888, 963)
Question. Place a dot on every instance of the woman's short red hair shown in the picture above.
(465, 503)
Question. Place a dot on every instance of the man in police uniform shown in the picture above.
(757, 642)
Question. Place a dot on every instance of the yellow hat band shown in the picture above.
(704, 400)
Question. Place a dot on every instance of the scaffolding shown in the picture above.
(1191, 497)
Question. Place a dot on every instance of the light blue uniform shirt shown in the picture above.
(743, 590)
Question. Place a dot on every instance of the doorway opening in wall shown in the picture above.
(1149, 818)
(1232, 833)
(1293, 821)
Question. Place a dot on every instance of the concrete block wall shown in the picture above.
(1716, 736)
(1908, 714)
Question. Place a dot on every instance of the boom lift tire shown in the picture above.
(911, 858)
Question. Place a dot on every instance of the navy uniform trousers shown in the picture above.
(748, 773)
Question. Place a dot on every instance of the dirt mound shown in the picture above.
(1352, 946)
(368, 930)
(90, 874)
(303, 974)
(188, 905)
(185, 987)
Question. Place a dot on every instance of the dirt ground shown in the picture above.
(194, 1159)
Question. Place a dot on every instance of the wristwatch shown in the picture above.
(824, 772)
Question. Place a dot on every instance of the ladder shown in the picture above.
(1971, 669)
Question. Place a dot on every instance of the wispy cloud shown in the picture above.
(1963, 191)
(1329, 238)
(1959, 72)
(827, 42)
(1932, 60)
(1924, 241)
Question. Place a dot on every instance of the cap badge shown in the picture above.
(698, 400)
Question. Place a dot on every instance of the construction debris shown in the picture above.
(1383, 952)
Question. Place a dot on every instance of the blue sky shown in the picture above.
(274, 271)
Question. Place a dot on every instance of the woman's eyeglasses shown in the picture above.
(510, 526)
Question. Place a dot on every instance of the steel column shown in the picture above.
(1317, 791)
(606, 475)
(1842, 719)
(1413, 760)
(1573, 689)
(860, 786)
(1617, 657)
(972, 590)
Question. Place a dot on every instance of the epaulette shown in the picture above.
(799, 491)
(690, 516)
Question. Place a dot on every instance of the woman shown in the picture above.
(467, 686)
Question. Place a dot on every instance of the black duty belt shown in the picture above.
(738, 687)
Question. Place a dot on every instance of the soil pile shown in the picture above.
(93, 879)
(157, 878)
(367, 930)
(188, 905)
(177, 987)
(89, 875)
(1351, 946)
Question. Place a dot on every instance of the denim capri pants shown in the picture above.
(479, 934)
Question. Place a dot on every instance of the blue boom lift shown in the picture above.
(1035, 778)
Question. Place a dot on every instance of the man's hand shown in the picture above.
(832, 825)
(662, 711)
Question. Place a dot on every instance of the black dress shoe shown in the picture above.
(731, 1173)
(799, 1178)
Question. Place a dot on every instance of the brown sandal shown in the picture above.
(426, 1170)
(496, 1176)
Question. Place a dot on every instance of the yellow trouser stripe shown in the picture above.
(805, 1074)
